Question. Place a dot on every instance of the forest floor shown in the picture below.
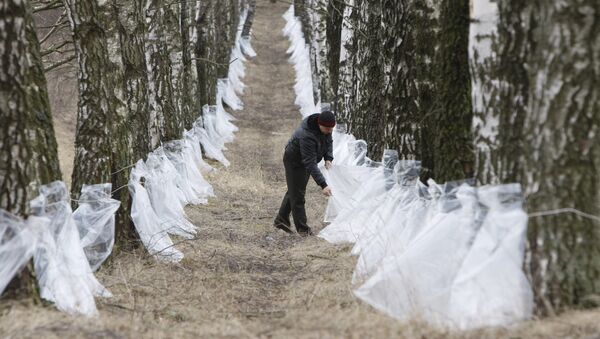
(243, 278)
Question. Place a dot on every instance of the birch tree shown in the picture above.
(164, 122)
(330, 53)
(125, 40)
(96, 105)
(249, 18)
(28, 150)
(452, 151)
(201, 51)
(537, 124)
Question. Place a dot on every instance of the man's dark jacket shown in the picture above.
(308, 146)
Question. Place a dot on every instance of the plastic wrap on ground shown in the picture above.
(95, 220)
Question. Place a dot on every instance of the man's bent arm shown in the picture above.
(329, 145)
(309, 160)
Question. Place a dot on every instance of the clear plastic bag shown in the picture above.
(348, 224)
(18, 241)
(247, 47)
(209, 114)
(387, 224)
(165, 195)
(212, 148)
(344, 181)
(152, 234)
(228, 95)
(188, 179)
(223, 123)
(414, 281)
(64, 274)
(193, 141)
(95, 220)
(491, 288)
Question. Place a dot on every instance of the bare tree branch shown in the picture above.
(57, 24)
(48, 6)
(60, 63)
(53, 49)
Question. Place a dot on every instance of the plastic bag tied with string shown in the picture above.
(62, 268)
(147, 224)
(95, 220)
(163, 186)
(18, 241)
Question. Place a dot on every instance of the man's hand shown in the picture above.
(327, 191)
(327, 164)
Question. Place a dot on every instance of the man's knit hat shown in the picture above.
(326, 119)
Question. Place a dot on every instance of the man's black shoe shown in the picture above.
(305, 232)
(283, 227)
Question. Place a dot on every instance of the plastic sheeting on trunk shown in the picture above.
(163, 185)
(213, 148)
(95, 220)
(152, 233)
(18, 241)
(63, 271)
(247, 47)
(450, 253)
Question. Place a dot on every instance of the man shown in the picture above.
(310, 143)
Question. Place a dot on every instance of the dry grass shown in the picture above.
(242, 278)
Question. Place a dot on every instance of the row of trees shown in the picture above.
(502, 92)
(145, 69)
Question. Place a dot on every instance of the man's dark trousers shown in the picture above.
(293, 201)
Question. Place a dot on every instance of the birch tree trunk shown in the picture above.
(201, 51)
(346, 94)
(171, 33)
(562, 148)
(159, 72)
(370, 108)
(96, 106)
(129, 17)
(386, 78)
(28, 151)
(249, 18)
(329, 80)
(537, 124)
(221, 42)
(132, 142)
(452, 150)
(104, 140)
(190, 107)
